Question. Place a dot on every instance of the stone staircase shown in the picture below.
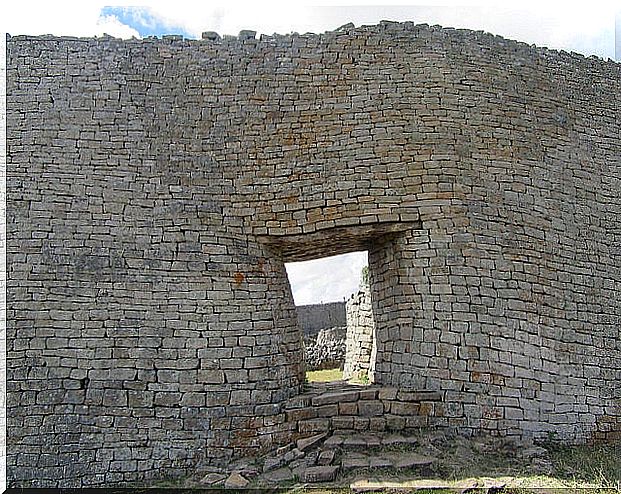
(335, 458)
(338, 429)
(341, 406)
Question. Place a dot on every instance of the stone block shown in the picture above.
(334, 398)
(314, 425)
(370, 408)
(395, 422)
(115, 398)
(342, 423)
(327, 410)
(326, 457)
(307, 443)
(319, 474)
(387, 393)
(348, 408)
(236, 481)
(404, 409)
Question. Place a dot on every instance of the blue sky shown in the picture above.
(145, 21)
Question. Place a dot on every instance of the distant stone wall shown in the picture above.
(313, 318)
(360, 331)
(326, 349)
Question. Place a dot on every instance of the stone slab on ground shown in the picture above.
(273, 463)
(405, 486)
(380, 462)
(362, 440)
(213, 479)
(326, 457)
(410, 460)
(351, 461)
(236, 481)
(280, 475)
(339, 397)
(294, 454)
(399, 440)
(308, 442)
(334, 441)
(319, 474)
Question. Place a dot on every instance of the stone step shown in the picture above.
(322, 473)
(394, 460)
(320, 457)
(369, 440)
(387, 422)
(409, 486)
(347, 407)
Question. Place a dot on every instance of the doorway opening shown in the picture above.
(379, 240)
(333, 303)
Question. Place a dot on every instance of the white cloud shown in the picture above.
(330, 279)
(108, 24)
(61, 19)
(587, 28)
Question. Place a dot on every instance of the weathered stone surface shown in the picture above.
(350, 461)
(334, 441)
(236, 481)
(397, 440)
(392, 486)
(280, 475)
(294, 454)
(380, 462)
(411, 460)
(360, 340)
(360, 440)
(273, 463)
(326, 457)
(370, 408)
(307, 443)
(330, 398)
(326, 349)
(213, 479)
(320, 474)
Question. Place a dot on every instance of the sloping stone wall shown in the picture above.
(325, 349)
(155, 189)
(360, 351)
(312, 318)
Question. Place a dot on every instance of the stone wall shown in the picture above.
(312, 318)
(325, 349)
(2, 263)
(155, 189)
(360, 352)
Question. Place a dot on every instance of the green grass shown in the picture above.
(322, 376)
(598, 465)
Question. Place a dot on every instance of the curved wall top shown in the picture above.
(155, 189)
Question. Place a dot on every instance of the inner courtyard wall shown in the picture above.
(155, 189)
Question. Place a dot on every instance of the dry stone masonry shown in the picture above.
(360, 351)
(155, 189)
(324, 332)
(315, 317)
(326, 349)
